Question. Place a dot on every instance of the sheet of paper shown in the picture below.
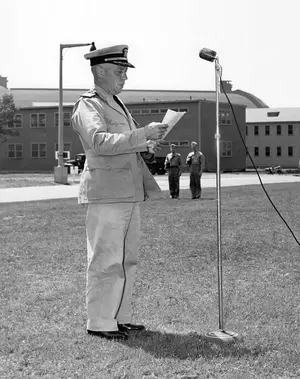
(171, 118)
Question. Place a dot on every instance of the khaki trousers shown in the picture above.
(174, 179)
(113, 235)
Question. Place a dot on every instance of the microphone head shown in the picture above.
(207, 54)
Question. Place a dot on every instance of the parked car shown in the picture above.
(274, 170)
(155, 164)
(78, 161)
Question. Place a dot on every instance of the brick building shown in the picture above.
(34, 148)
(273, 137)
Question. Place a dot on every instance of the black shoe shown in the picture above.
(113, 335)
(130, 327)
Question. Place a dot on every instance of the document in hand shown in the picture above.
(171, 118)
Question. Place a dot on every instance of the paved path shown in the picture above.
(9, 195)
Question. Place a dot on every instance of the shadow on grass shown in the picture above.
(190, 346)
(202, 199)
(182, 199)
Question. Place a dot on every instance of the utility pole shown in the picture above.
(61, 172)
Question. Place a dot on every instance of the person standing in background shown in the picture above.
(196, 163)
(173, 164)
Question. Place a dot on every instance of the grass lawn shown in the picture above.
(31, 180)
(42, 278)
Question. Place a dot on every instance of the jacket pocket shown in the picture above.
(109, 183)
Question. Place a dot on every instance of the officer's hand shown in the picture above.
(155, 131)
(154, 146)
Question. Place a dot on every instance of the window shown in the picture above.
(226, 149)
(149, 111)
(67, 146)
(290, 151)
(256, 130)
(176, 143)
(136, 111)
(184, 143)
(267, 151)
(15, 150)
(278, 130)
(290, 130)
(17, 123)
(38, 120)
(222, 117)
(38, 150)
(67, 119)
(278, 151)
(273, 114)
(267, 130)
(225, 117)
(256, 151)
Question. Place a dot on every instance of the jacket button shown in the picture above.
(108, 167)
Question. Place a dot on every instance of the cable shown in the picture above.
(253, 164)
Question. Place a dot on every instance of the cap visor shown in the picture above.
(121, 63)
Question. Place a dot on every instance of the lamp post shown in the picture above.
(220, 334)
(61, 172)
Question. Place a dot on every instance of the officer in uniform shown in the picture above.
(173, 164)
(114, 181)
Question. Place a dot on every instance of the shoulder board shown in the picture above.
(89, 94)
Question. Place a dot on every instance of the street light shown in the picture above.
(61, 172)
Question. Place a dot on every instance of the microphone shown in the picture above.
(207, 54)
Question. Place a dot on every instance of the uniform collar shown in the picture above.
(102, 93)
(107, 97)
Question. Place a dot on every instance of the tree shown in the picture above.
(7, 118)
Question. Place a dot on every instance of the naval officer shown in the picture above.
(114, 181)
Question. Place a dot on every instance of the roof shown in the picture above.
(269, 115)
(254, 99)
(26, 97)
(39, 104)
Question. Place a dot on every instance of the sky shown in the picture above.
(257, 42)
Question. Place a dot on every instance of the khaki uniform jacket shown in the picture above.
(173, 160)
(196, 162)
(114, 171)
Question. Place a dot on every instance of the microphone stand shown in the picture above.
(220, 334)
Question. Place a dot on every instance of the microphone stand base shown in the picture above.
(221, 336)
